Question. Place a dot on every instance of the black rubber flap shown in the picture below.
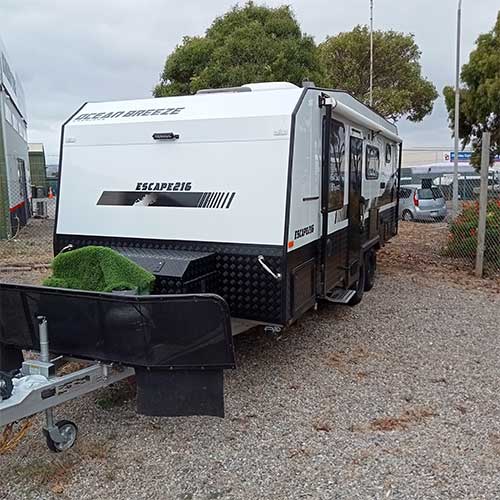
(163, 331)
(180, 393)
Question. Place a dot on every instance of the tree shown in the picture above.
(399, 89)
(479, 95)
(247, 44)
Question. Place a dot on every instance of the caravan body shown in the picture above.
(270, 195)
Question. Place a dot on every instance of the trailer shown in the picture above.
(266, 199)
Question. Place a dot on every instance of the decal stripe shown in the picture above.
(200, 203)
(208, 200)
(230, 200)
(212, 201)
(219, 198)
(224, 200)
(187, 199)
(204, 204)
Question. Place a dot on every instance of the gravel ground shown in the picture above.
(395, 398)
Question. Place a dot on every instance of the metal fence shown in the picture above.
(26, 229)
(473, 231)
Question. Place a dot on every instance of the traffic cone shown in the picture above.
(51, 194)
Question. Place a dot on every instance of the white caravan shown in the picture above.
(272, 196)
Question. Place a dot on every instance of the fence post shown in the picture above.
(483, 203)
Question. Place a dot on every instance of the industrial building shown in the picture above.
(15, 182)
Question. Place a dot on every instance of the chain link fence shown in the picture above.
(429, 200)
(462, 242)
(27, 214)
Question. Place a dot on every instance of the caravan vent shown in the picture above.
(251, 87)
(243, 88)
(270, 86)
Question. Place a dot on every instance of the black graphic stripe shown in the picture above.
(166, 199)
(207, 201)
(226, 195)
(214, 201)
(230, 200)
(200, 203)
(219, 198)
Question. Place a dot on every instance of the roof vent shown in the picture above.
(251, 87)
(255, 87)
(243, 88)
(308, 84)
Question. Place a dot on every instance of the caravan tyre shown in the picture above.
(370, 269)
(359, 286)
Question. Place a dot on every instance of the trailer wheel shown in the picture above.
(359, 286)
(69, 433)
(370, 268)
(6, 386)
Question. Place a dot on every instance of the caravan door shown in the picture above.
(334, 204)
(356, 201)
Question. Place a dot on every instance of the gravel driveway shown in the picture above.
(395, 398)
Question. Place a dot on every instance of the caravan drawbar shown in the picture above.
(269, 195)
(249, 205)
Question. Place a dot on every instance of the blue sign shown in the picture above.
(466, 156)
(462, 156)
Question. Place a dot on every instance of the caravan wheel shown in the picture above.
(359, 286)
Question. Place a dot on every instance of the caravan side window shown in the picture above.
(372, 162)
(336, 178)
(388, 153)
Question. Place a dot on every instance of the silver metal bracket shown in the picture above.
(276, 276)
(36, 367)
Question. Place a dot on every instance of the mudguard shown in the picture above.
(173, 341)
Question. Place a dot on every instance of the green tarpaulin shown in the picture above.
(98, 269)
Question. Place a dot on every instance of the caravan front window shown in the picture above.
(336, 178)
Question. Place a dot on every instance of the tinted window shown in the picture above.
(430, 194)
(372, 162)
(336, 177)
(388, 153)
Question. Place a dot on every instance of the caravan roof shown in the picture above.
(250, 100)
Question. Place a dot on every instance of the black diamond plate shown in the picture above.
(239, 278)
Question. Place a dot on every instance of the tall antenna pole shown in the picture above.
(457, 112)
(371, 52)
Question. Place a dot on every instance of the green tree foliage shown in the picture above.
(399, 89)
(479, 95)
(247, 44)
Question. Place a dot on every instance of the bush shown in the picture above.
(462, 240)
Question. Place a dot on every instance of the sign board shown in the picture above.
(464, 156)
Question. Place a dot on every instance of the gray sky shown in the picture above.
(68, 52)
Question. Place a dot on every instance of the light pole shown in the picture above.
(371, 52)
(457, 113)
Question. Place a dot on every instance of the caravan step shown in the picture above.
(340, 296)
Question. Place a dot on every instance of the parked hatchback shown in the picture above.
(424, 204)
